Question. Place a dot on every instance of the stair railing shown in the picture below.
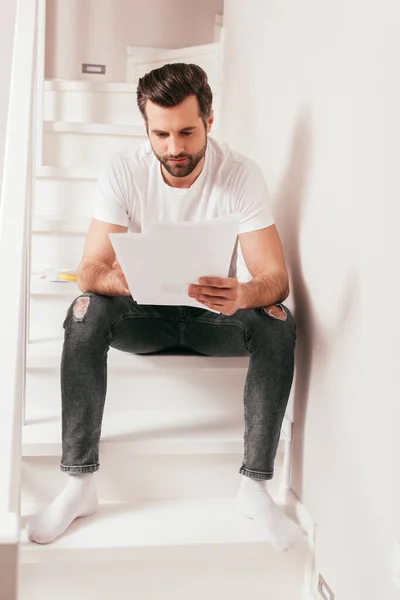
(15, 220)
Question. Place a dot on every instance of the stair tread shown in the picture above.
(123, 527)
(55, 288)
(75, 173)
(46, 353)
(95, 128)
(79, 85)
(59, 224)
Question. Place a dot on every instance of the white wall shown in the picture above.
(98, 31)
(7, 22)
(310, 92)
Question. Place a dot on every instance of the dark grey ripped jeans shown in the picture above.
(95, 322)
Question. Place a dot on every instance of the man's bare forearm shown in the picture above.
(265, 289)
(96, 276)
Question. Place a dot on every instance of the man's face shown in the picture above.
(178, 135)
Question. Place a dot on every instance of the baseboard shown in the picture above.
(307, 524)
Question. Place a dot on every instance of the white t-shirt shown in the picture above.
(133, 193)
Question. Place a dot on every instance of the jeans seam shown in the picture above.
(245, 410)
(234, 324)
(104, 403)
(152, 316)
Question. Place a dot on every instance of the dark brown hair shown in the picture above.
(171, 84)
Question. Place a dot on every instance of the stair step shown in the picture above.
(207, 56)
(95, 128)
(50, 172)
(98, 128)
(78, 85)
(160, 381)
(149, 530)
(89, 145)
(114, 104)
(144, 432)
(213, 571)
(56, 249)
(55, 288)
(59, 224)
(127, 477)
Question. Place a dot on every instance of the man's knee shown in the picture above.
(90, 309)
(80, 307)
(277, 317)
(276, 311)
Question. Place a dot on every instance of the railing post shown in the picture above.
(30, 187)
(15, 220)
(40, 79)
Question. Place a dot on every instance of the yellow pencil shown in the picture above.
(68, 277)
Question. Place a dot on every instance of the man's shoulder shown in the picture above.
(132, 160)
(230, 160)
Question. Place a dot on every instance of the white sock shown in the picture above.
(78, 499)
(254, 502)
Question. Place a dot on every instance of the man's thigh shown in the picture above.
(216, 334)
(143, 329)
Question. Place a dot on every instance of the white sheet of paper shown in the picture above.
(159, 265)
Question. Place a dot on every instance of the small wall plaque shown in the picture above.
(97, 69)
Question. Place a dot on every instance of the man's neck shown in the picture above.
(183, 182)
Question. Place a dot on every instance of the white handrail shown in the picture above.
(14, 232)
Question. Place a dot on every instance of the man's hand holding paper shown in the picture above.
(222, 295)
(161, 263)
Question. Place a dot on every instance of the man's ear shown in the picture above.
(210, 121)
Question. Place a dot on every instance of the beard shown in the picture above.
(186, 167)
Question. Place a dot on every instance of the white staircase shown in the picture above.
(172, 438)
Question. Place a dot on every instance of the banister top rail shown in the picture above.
(14, 231)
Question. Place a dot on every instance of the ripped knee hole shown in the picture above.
(276, 311)
(81, 306)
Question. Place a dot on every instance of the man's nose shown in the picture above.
(175, 146)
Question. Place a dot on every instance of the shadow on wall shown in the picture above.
(314, 339)
(288, 213)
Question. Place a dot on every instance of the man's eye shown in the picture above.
(161, 135)
(187, 133)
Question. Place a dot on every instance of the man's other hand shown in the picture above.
(223, 295)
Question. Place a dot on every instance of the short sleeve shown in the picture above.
(111, 204)
(253, 203)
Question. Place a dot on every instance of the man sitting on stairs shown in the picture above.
(179, 174)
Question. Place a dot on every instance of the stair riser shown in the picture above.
(210, 61)
(65, 197)
(84, 150)
(176, 573)
(180, 390)
(113, 108)
(47, 314)
(125, 477)
(63, 250)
